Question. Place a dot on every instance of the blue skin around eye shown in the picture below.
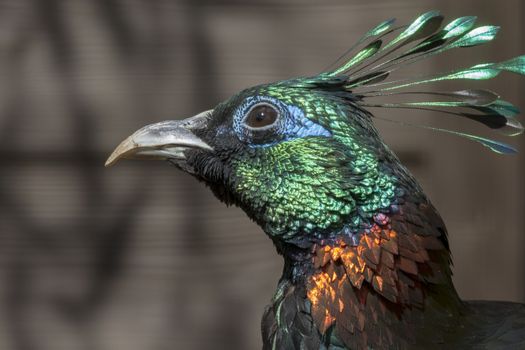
(292, 123)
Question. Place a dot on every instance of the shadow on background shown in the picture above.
(141, 256)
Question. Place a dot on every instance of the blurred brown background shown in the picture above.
(141, 256)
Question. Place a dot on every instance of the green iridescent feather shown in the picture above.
(368, 70)
(424, 25)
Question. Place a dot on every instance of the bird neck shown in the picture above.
(389, 276)
(385, 264)
(398, 266)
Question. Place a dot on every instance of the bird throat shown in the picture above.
(296, 195)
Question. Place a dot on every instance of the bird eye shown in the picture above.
(261, 116)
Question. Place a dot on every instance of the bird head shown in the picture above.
(298, 156)
(302, 157)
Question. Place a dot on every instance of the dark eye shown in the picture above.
(261, 116)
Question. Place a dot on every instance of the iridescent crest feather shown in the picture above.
(386, 48)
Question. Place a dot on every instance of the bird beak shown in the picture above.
(165, 140)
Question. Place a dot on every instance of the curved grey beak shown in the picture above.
(165, 140)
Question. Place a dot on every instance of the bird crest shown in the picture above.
(387, 48)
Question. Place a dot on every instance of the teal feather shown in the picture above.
(476, 36)
(369, 79)
(430, 104)
(459, 26)
(505, 126)
(361, 56)
(381, 29)
(474, 73)
(495, 146)
(452, 30)
(470, 96)
(515, 65)
(438, 43)
(453, 36)
(367, 72)
(457, 33)
(501, 107)
(424, 25)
